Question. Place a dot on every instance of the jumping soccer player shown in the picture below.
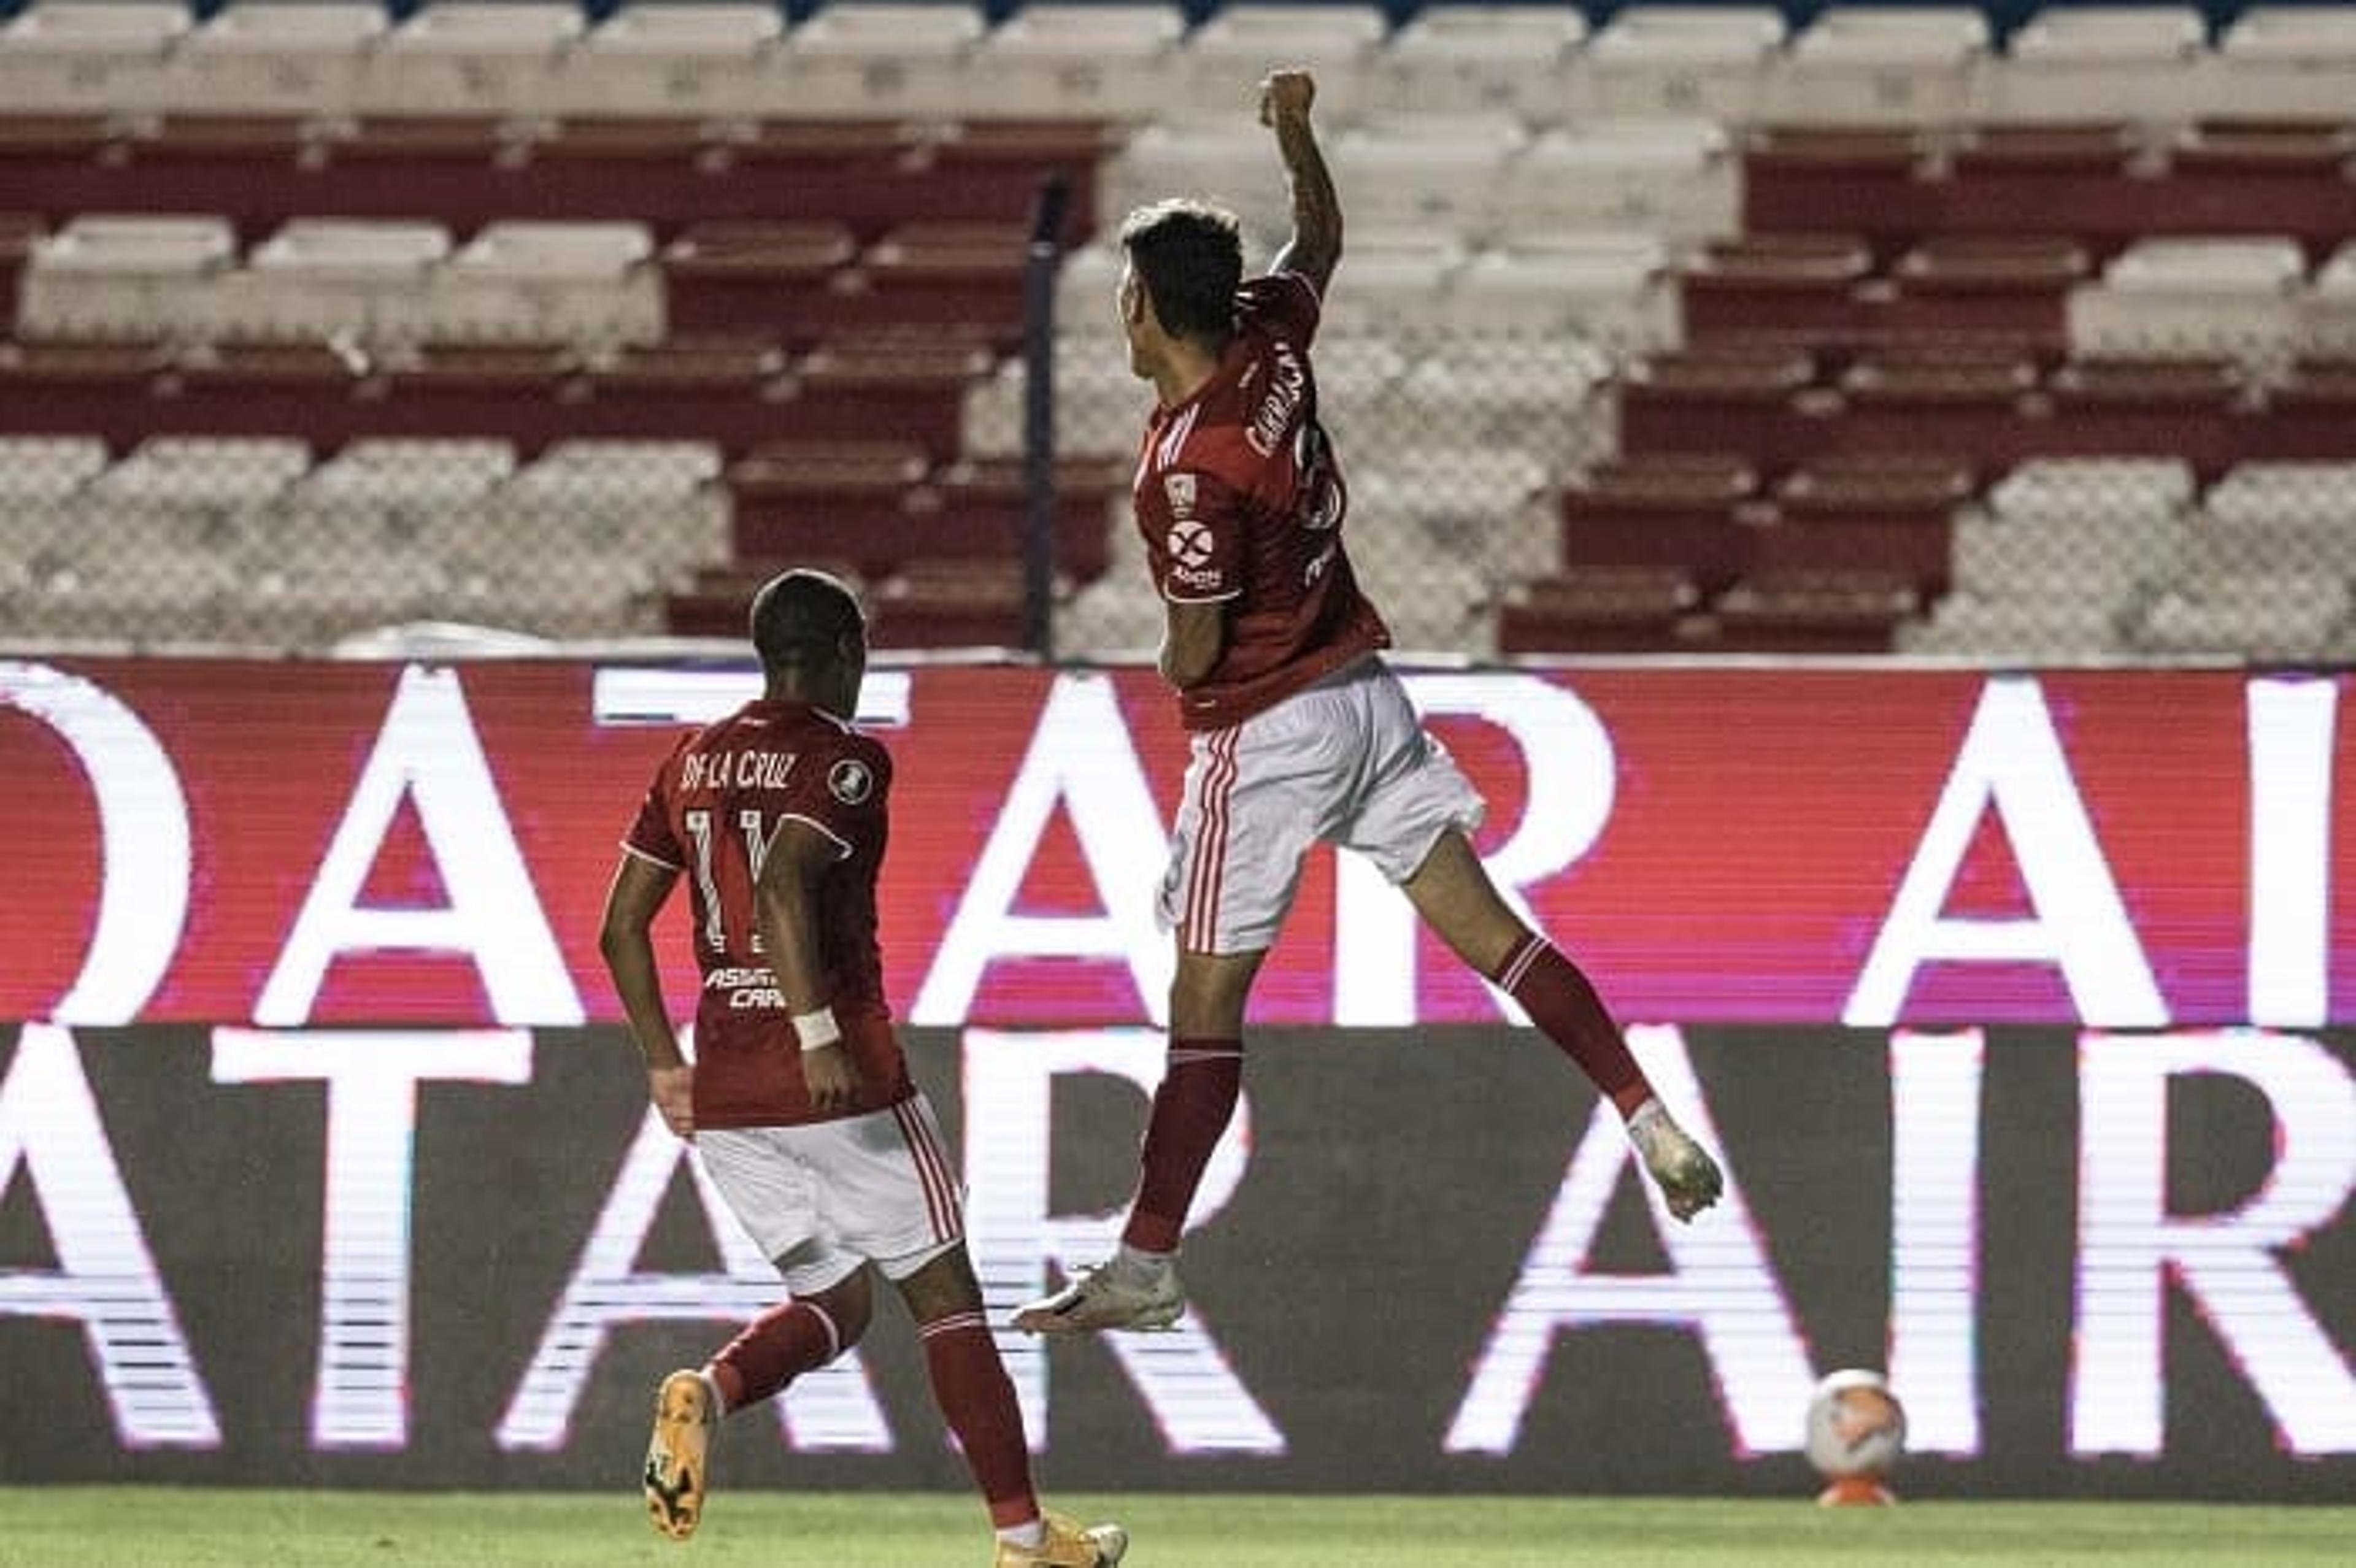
(1299, 730)
(799, 1102)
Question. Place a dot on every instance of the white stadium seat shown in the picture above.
(40, 470)
(2267, 615)
(544, 281)
(40, 476)
(1229, 160)
(1391, 277)
(1707, 60)
(1461, 58)
(1439, 171)
(1613, 288)
(2091, 489)
(130, 276)
(1223, 60)
(2195, 297)
(2294, 61)
(460, 59)
(2026, 626)
(1675, 175)
(329, 278)
(64, 56)
(209, 473)
(1108, 62)
(880, 57)
(412, 477)
(2101, 64)
(1874, 65)
(2327, 310)
(2272, 514)
(704, 57)
(278, 57)
(2099, 527)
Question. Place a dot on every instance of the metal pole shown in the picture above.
(1039, 417)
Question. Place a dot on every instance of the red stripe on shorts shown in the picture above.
(932, 1170)
(1199, 932)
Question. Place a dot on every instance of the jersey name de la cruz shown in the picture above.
(1239, 497)
(716, 806)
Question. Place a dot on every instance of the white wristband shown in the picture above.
(817, 1030)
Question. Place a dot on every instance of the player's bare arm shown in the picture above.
(639, 890)
(786, 899)
(1316, 243)
(1193, 635)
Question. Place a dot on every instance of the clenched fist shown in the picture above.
(1285, 94)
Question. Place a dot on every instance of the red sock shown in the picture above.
(1560, 1001)
(977, 1399)
(779, 1346)
(1190, 1109)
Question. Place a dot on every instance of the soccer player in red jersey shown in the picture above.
(799, 1101)
(1300, 731)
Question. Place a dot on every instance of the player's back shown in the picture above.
(717, 808)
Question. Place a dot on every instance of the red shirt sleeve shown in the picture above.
(846, 796)
(1193, 525)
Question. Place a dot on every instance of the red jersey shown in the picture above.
(1240, 496)
(714, 808)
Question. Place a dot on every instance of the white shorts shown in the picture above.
(1346, 762)
(826, 1197)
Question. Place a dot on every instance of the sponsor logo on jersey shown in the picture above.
(1180, 488)
(1189, 543)
(850, 781)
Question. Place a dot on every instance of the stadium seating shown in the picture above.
(1799, 310)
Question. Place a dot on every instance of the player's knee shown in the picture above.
(850, 1306)
(1209, 993)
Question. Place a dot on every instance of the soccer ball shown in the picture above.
(1856, 1430)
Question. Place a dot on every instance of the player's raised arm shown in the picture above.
(786, 899)
(1316, 243)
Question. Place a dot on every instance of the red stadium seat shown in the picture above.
(2006, 288)
(1626, 609)
(950, 604)
(1815, 611)
(1663, 509)
(780, 278)
(1883, 512)
(1714, 399)
(1789, 284)
(988, 502)
(851, 500)
(912, 386)
(951, 272)
(2158, 408)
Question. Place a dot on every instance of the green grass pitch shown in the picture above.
(120, 1527)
